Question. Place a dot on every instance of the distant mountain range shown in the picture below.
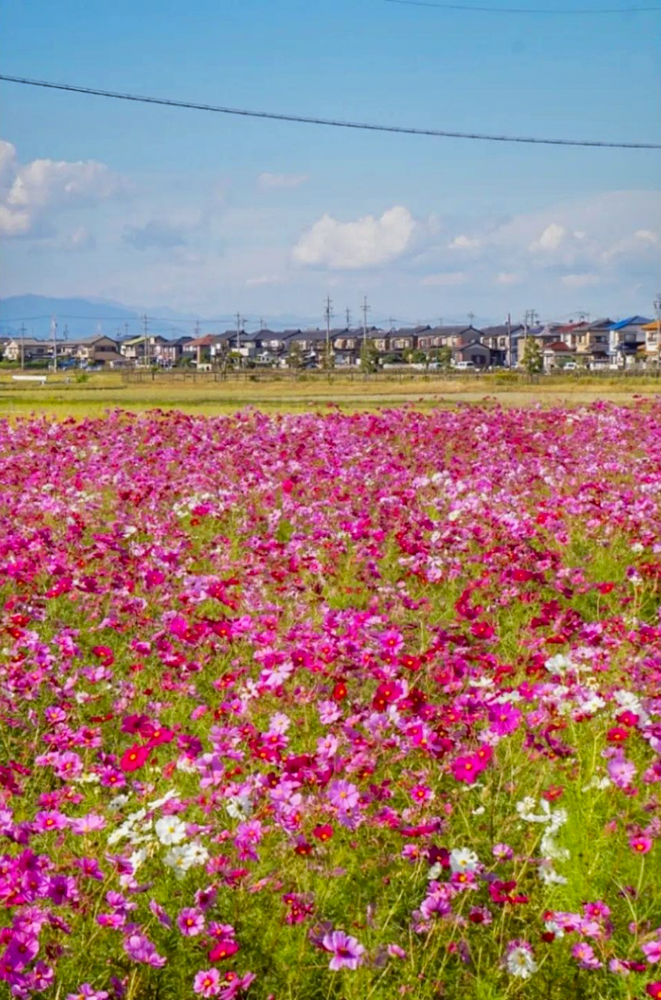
(79, 317)
(85, 317)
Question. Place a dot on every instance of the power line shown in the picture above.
(526, 10)
(336, 123)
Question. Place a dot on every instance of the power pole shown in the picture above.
(328, 312)
(197, 328)
(53, 331)
(22, 331)
(391, 323)
(365, 309)
(509, 339)
(145, 325)
(238, 335)
(471, 317)
(348, 315)
(657, 310)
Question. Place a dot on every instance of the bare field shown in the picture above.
(63, 396)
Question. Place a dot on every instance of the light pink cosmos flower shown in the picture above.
(207, 983)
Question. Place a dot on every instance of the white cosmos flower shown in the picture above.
(549, 875)
(463, 860)
(157, 803)
(118, 802)
(121, 832)
(179, 858)
(559, 664)
(137, 858)
(239, 806)
(521, 963)
(170, 830)
(186, 765)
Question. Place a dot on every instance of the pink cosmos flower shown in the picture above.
(207, 983)
(343, 794)
(87, 992)
(641, 844)
(190, 922)
(45, 822)
(652, 951)
(135, 757)
(223, 949)
(346, 950)
(138, 947)
(467, 769)
(585, 956)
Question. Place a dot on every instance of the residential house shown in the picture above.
(97, 350)
(501, 340)
(171, 352)
(570, 333)
(652, 333)
(473, 353)
(557, 354)
(433, 337)
(198, 350)
(592, 340)
(141, 350)
(626, 338)
(28, 349)
(403, 341)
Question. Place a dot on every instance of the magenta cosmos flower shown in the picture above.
(347, 952)
(640, 844)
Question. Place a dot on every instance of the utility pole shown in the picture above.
(145, 325)
(348, 315)
(126, 330)
(365, 310)
(22, 345)
(197, 328)
(471, 317)
(657, 310)
(53, 331)
(238, 336)
(328, 312)
(391, 323)
(509, 340)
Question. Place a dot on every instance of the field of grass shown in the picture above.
(63, 396)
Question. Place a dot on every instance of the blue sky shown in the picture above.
(211, 214)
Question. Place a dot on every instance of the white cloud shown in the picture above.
(447, 280)
(351, 245)
(155, 234)
(508, 278)
(27, 191)
(462, 242)
(263, 279)
(551, 239)
(268, 181)
(647, 235)
(580, 280)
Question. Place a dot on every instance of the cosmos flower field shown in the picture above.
(331, 707)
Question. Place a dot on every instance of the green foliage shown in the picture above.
(369, 357)
(532, 359)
